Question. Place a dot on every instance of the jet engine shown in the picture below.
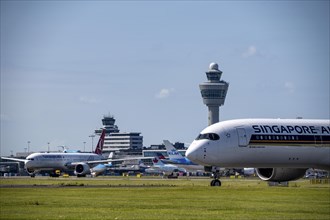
(280, 174)
(31, 172)
(81, 169)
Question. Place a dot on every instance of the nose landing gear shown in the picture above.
(216, 182)
(215, 174)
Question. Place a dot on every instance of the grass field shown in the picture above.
(133, 198)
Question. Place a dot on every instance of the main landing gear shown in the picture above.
(215, 174)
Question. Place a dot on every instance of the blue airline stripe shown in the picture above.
(290, 140)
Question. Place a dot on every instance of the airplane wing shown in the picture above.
(14, 159)
(169, 161)
(109, 160)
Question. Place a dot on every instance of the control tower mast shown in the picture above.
(213, 92)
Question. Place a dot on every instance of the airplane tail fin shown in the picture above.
(110, 155)
(172, 151)
(141, 164)
(160, 156)
(99, 146)
(157, 161)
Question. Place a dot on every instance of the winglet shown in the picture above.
(99, 146)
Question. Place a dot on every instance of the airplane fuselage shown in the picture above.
(264, 143)
(61, 161)
(181, 161)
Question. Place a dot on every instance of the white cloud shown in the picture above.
(164, 93)
(250, 51)
(89, 100)
(289, 86)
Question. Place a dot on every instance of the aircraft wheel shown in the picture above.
(216, 182)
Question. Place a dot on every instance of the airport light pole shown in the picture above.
(92, 136)
(29, 145)
(48, 146)
(84, 145)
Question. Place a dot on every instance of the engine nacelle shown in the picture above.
(31, 172)
(82, 169)
(280, 174)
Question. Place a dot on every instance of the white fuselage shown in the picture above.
(264, 143)
(54, 161)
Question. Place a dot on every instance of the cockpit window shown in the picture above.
(208, 136)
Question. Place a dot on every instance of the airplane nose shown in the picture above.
(28, 165)
(191, 153)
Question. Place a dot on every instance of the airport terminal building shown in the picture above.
(117, 141)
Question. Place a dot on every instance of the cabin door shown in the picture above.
(242, 139)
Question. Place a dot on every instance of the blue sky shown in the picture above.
(66, 64)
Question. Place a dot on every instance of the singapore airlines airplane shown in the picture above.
(279, 149)
(81, 163)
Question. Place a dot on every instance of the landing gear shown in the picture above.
(31, 172)
(215, 174)
(216, 182)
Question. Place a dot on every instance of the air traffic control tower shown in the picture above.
(213, 92)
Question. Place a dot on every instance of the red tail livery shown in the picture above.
(99, 146)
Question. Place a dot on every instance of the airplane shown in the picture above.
(81, 163)
(99, 169)
(280, 149)
(174, 156)
(160, 167)
(138, 167)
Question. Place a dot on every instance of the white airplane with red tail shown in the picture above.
(54, 163)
